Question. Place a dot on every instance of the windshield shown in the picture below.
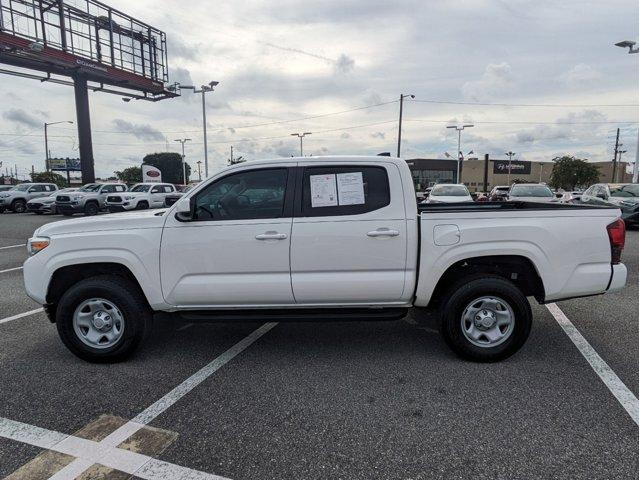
(541, 191)
(624, 190)
(90, 187)
(141, 188)
(449, 191)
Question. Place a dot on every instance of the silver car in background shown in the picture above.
(531, 192)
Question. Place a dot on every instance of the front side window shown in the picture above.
(246, 195)
(624, 190)
(141, 188)
(329, 191)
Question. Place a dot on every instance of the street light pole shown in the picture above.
(47, 155)
(183, 141)
(301, 136)
(401, 111)
(203, 90)
(459, 152)
(199, 170)
(510, 160)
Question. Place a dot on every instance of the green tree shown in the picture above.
(170, 164)
(569, 172)
(49, 177)
(130, 175)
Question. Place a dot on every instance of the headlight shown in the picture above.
(76, 197)
(36, 244)
(129, 197)
(4, 195)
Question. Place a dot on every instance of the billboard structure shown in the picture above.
(86, 44)
(151, 174)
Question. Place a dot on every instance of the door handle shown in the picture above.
(271, 236)
(383, 232)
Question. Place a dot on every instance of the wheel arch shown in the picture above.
(518, 269)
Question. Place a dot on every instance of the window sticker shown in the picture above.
(350, 188)
(323, 191)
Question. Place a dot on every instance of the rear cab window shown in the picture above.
(343, 190)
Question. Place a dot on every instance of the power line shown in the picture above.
(550, 105)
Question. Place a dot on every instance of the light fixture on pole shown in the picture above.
(183, 141)
(47, 155)
(301, 136)
(401, 111)
(510, 161)
(459, 152)
(629, 44)
(203, 90)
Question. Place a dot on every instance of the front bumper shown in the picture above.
(119, 207)
(68, 207)
(618, 278)
(40, 207)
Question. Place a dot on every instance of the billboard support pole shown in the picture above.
(84, 128)
(486, 160)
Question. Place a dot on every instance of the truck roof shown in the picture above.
(324, 158)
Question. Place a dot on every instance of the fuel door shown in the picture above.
(444, 235)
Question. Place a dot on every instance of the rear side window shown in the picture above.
(332, 191)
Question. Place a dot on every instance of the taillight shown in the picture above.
(617, 236)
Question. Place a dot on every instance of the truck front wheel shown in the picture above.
(485, 318)
(91, 208)
(103, 319)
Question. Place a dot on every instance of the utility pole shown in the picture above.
(614, 159)
(183, 141)
(301, 136)
(199, 169)
(401, 111)
(635, 170)
(47, 153)
(486, 162)
(615, 179)
(231, 154)
(510, 162)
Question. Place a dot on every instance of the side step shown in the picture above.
(295, 315)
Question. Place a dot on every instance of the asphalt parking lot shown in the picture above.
(382, 400)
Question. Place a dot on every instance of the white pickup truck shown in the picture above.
(320, 238)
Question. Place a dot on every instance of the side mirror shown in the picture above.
(183, 211)
(32, 190)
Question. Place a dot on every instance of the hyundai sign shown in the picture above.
(516, 167)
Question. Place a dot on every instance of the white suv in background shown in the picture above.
(16, 199)
(140, 197)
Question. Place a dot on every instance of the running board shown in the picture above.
(295, 315)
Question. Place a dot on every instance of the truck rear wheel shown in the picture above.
(485, 318)
(103, 319)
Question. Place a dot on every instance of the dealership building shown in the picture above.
(427, 172)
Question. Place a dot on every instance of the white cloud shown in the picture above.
(580, 75)
(496, 81)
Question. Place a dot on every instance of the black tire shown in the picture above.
(91, 208)
(461, 295)
(2, 210)
(67, 213)
(143, 205)
(19, 206)
(126, 296)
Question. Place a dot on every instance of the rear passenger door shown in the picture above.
(348, 242)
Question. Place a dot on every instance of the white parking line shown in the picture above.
(13, 246)
(626, 398)
(125, 431)
(10, 269)
(89, 452)
(20, 315)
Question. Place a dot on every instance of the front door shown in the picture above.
(349, 236)
(235, 251)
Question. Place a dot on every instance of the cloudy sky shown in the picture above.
(540, 78)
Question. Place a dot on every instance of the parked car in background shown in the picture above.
(531, 192)
(15, 199)
(499, 193)
(624, 196)
(171, 198)
(571, 197)
(46, 204)
(140, 197)
(318, 238)
(90, 199)
(449, 193)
